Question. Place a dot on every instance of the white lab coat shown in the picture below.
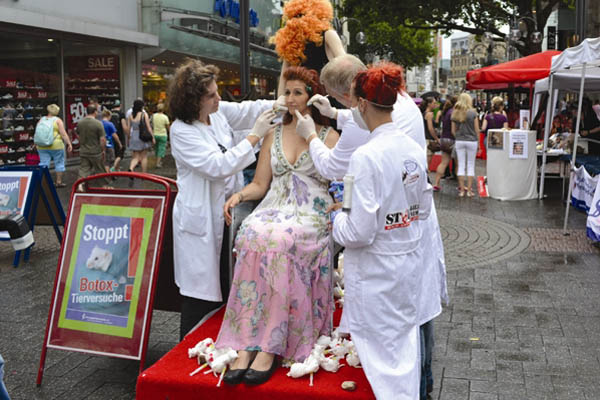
(382, 260)
(333, 163)
(205, 178)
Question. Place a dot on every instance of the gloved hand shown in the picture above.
(305, 125)
(337, 189)
(263, 124)
(279, 105)
(323, 105)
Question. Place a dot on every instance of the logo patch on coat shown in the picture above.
(410, 173)
(402, 219)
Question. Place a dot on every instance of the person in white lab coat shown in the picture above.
(209, 167)
(337, 77)
(382, 260)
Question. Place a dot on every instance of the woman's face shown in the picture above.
(296, 97)
(210, 101)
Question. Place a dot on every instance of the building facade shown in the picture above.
(469, 53)
(65, 52)
(210, 31)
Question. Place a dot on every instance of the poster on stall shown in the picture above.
(593, 219)
(496, 139)
(517, 145)
(524, 119)
(106, 273)
(14, 188)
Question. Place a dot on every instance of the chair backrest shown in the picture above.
(238, 214)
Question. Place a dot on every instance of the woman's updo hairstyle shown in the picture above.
(380, 84)
(313, 86)
(187, 88)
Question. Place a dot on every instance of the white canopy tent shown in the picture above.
(575, 69)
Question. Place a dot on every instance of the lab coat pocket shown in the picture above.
(191, 220)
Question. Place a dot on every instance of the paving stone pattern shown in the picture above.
(522, 323)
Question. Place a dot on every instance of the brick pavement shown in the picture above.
(522, 322)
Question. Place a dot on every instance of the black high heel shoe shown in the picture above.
(235, 376)
(254, 377)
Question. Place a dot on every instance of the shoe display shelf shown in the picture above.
(107, 90)
(21, 107)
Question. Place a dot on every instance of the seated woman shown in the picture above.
(281, 301)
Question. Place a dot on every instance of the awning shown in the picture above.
(521, 72)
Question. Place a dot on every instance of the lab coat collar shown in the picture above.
(389, 126)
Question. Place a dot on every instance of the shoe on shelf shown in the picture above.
(254, 377)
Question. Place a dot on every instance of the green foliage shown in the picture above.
(404, 46)
(468, 16)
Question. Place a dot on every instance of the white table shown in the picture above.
(510, 178)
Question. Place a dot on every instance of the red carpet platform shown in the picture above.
(169, 378)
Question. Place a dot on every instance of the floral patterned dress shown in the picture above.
(281, 298)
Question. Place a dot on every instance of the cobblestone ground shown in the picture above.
(522, 321)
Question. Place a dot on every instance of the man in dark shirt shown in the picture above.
(120, 122)
(92, 142)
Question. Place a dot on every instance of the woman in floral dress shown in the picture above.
(281, 298)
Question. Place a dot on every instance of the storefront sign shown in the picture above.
(14, 187)
(593, 219)
(584, 187)
(106, 272)
(231, 8)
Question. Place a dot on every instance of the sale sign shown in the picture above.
(106, 272)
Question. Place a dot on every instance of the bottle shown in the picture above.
(347, 201)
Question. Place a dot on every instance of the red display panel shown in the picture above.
(101, 302)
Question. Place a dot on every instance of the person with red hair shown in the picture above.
(383, 260)
(337, 77)
(281, 298)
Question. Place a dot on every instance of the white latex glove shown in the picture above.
(323, 105)
(279, 105)
(305, 125)
(263, 124)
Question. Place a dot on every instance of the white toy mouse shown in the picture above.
(99, 259)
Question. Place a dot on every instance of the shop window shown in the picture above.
(91, 73)
(29, 81)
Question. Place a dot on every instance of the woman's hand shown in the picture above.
(69, 148)
(233, 201)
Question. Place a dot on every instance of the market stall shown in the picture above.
(576, 69)
(511, 164)
(521, 72)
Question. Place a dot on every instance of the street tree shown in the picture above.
(397, 43)
(476, 17)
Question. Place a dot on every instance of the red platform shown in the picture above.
(169, 378)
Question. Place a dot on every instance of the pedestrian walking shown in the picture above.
(55, 151)
(160, 122)
(112, 140)
(465, 128)
(446, 141)
(120, 122)
(3, 392)
(92, 142)
(138, 120)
